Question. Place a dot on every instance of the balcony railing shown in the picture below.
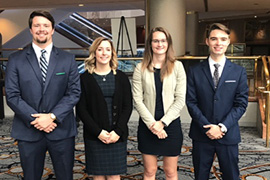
(257, 68)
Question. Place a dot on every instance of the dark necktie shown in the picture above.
(43, 65)
(216, 75)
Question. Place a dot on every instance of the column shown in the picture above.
(192, 33)
(170, 14)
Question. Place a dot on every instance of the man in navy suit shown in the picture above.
(43, 105)
(217, 97)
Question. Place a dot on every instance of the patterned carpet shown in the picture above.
(254, 157)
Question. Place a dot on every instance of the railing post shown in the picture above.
(267, 116)
(255, 73)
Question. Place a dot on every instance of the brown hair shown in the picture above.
(42, 13)
(90, 62)
(167, 68)
(218, 26)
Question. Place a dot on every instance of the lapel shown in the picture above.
(149, 80)
(207, 73)
(32, 59)
(226, 71)
(51, 67)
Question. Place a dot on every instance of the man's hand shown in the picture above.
(113, 137)
(157, 127)
(214, 131)
(42, 121)
(104, 136)
(50, 128)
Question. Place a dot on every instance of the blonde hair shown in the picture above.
(90, 62)
(168, 66)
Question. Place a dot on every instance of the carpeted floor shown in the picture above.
(253, 159)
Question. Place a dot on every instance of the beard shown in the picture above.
(41, 41)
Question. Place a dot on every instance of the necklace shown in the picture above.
(104, 77)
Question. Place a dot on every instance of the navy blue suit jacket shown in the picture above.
(26, 94)
(225, 104)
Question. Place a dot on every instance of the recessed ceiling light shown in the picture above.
(81, 5)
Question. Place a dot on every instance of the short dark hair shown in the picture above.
(218, 26)
(40, 13)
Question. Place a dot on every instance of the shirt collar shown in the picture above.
(37, 49)
(212, 62)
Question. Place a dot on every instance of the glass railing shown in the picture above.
(257, 68)
(253, 65)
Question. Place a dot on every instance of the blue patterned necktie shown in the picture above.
(216, 75)
(43, 65)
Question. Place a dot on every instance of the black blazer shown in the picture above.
(92, 107)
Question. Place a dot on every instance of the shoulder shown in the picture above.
(233, 64)
(200, 64)
(121, 75)
(178, 65)
(61, 52)
(87, 80)
(26, 50)
(139, 66)
(86, 75)
(236, 67)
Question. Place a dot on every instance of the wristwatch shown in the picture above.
(53, 117)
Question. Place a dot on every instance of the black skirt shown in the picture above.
(105, 159)
(149, 143)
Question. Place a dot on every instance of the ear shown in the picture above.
(31, 31)
(207, 41)
(229, 41)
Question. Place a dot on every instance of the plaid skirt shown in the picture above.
(105, 159)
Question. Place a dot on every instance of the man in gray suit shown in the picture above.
(42, 87)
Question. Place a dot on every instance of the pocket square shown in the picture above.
(230, 81)
(60, 73)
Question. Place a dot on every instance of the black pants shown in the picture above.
(32, 156)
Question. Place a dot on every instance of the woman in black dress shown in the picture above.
(104, 108)
(159, 88)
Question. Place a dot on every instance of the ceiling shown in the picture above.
(205, 8)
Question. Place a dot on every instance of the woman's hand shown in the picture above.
(113, 137)
(157, 127)
(162, 134)
(104, 136)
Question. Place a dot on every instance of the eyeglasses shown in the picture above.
(156, 41)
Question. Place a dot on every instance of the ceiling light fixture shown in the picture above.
(81, 5)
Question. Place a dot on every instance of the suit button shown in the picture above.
(114, 114)
(114, 107)
(114, 123)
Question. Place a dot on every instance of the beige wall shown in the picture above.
(12, 22)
